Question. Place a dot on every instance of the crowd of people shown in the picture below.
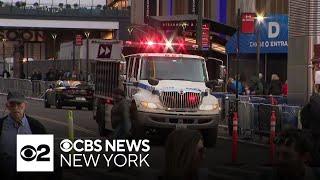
(257, 85)
(50, 75)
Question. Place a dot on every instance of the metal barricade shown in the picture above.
(255, 115)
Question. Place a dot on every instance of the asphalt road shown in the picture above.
(217, 160)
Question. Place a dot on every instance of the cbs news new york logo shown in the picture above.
(35, 153)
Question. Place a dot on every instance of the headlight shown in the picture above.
(148, 105)
(208, 107)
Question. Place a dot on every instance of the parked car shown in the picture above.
(69, 93)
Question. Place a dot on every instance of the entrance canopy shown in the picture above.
(57, 24)
(273, 33)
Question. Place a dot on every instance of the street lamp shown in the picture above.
(54, 37)
(87, 34)
(4, 53)
(259, 20)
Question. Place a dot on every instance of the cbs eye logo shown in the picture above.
(35, 153)
(66, 145)
(29, 153)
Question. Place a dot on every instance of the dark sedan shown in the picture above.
(69, 93)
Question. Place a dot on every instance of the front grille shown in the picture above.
(180, 100)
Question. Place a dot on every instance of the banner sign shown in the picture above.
(150, 9)
(206, 36)
(247, 25)
(273, 37)
(193, 6)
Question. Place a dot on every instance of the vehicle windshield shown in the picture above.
(74, 84)
(173, 68)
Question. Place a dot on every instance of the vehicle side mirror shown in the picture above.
(222, 71)
(153, 81)
(211, 84)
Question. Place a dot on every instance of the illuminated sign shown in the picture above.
(247, 20)
(24, 35)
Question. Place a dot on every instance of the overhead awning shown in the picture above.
(218, 31)
(57, 24)
(171, 22)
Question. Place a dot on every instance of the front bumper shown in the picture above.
(73, 102)
(178, 120)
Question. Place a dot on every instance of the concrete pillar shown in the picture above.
(303, 30)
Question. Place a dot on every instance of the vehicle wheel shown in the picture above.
(90, 107)
(58, 103)
(78, 107)
(210, 137)
(46, 103)
(137, 129)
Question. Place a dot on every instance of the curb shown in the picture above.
(31, 98)
(244, 142)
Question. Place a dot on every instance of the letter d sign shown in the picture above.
(273, 29)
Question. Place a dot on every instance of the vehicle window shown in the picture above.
(173, 68)
(136, 67)
(129, 67)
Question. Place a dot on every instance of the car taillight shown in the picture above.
(108, 101)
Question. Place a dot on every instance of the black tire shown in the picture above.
(78, 107)
(46, 103)
(100, 119)
(58, 103)
(90, 107)
(210, 137)
(137, 129)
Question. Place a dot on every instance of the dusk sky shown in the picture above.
(56, 2)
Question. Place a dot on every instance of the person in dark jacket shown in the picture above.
(184, 154)
(275, 87)
(310, 120)
(17, 122)
(120, 115)
(264, 84)
(293, 158)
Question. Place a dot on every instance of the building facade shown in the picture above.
(34, 32)
(223, 11)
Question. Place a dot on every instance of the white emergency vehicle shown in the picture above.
(168, 90)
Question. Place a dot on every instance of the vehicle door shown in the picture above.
(132, 75)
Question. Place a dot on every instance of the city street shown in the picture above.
(235, 83)
(217, 158)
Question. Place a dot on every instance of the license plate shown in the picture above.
(181, 126)
(80, 99)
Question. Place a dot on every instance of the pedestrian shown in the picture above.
(120, 115)
(6, 74)
(229, 85)
(39, 75)
(264, 84)
(293, 156)
(34, 76)
(50, 76)
(310, 120)
(234, 86)
(285, 88)
(22, 75)
(81, 76)
(184, 154)
(255, 86)
(275, 85)
(17, 122)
